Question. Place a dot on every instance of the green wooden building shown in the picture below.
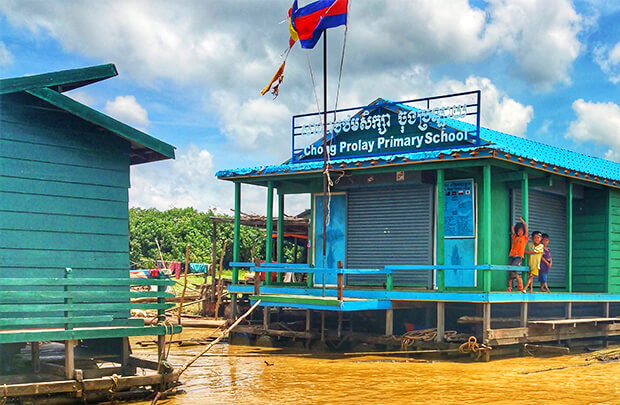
(64, 244)
(427, 217)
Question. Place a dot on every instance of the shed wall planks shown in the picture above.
(590, 241)
(614, 242)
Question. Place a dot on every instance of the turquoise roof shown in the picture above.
(533, 153)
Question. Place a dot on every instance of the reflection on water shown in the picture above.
(251, 375)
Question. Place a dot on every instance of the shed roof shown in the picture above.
(495, 144)
(49, 88)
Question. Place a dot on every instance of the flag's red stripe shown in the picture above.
(305, 25)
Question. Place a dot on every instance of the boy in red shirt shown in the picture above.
(517, 252)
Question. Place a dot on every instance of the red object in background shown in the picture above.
(153, 273)
(274, 276)
(175, 267)
(408, 327)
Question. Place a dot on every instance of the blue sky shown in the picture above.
(548, 71)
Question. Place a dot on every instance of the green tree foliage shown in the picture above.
(177, 227)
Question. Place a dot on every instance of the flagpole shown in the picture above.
(325, 169)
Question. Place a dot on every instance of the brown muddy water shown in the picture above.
(252, 375)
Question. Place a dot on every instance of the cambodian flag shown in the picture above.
(311, 20)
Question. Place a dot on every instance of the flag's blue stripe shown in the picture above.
(312, 7)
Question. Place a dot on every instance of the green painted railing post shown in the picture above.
(525, 188)
(68, 301)
(269, 231)
(161, 301)
(236, 233)
(389, 282)
(440, 228)
(525, 204)
(486, 221)
(280, 233)
(310, 277)
(569, 236)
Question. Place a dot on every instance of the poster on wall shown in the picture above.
(459, 209)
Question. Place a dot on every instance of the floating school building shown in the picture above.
(64, 244)
(418, 233)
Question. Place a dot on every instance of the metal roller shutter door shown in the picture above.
(390, 225)
(548, 215)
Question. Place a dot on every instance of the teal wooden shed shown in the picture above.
(64, 244)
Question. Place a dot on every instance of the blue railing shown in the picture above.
(388, 270)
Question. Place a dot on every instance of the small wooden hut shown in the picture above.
(64, 245)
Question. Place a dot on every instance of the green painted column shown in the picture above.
(237, 232)
(440, 228)
(569, 236)
(310, 279)
(269, 231)
(280, 233)
(525, 195)
(525, 206)
(486, 223)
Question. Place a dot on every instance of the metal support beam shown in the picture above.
(280, 233)
(440, 277)
(308, 319)
(269, 231)
(339, 323)
(441, 321)
(569, 236)
(569, 310)
(486, 222)
(389, 322)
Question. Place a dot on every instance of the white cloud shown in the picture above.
(189, 181)
(599, 123)
(128, 110)
(540, 34)
(82, 97)
(6, 57)
(609, 61)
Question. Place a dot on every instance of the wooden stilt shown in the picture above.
(308, 319)
(127, 367)
(36, 357)
(322, 326)
(266, 315)
(441, 321)
(69, 359)
(161, 347)
(389, 322)
(524, 308)
(486, 321)
(339, 323)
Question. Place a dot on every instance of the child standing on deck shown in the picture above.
(545, 264)
(517, 251)
(535, 250)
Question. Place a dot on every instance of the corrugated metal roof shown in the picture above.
(528, 150)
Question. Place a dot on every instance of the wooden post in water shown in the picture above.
(486, 322)
(339, 323)
(389, 322)
(524, 308)
(36, 357)
(441, 321)
(184, 283)
(69, 359)
(266, 314)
